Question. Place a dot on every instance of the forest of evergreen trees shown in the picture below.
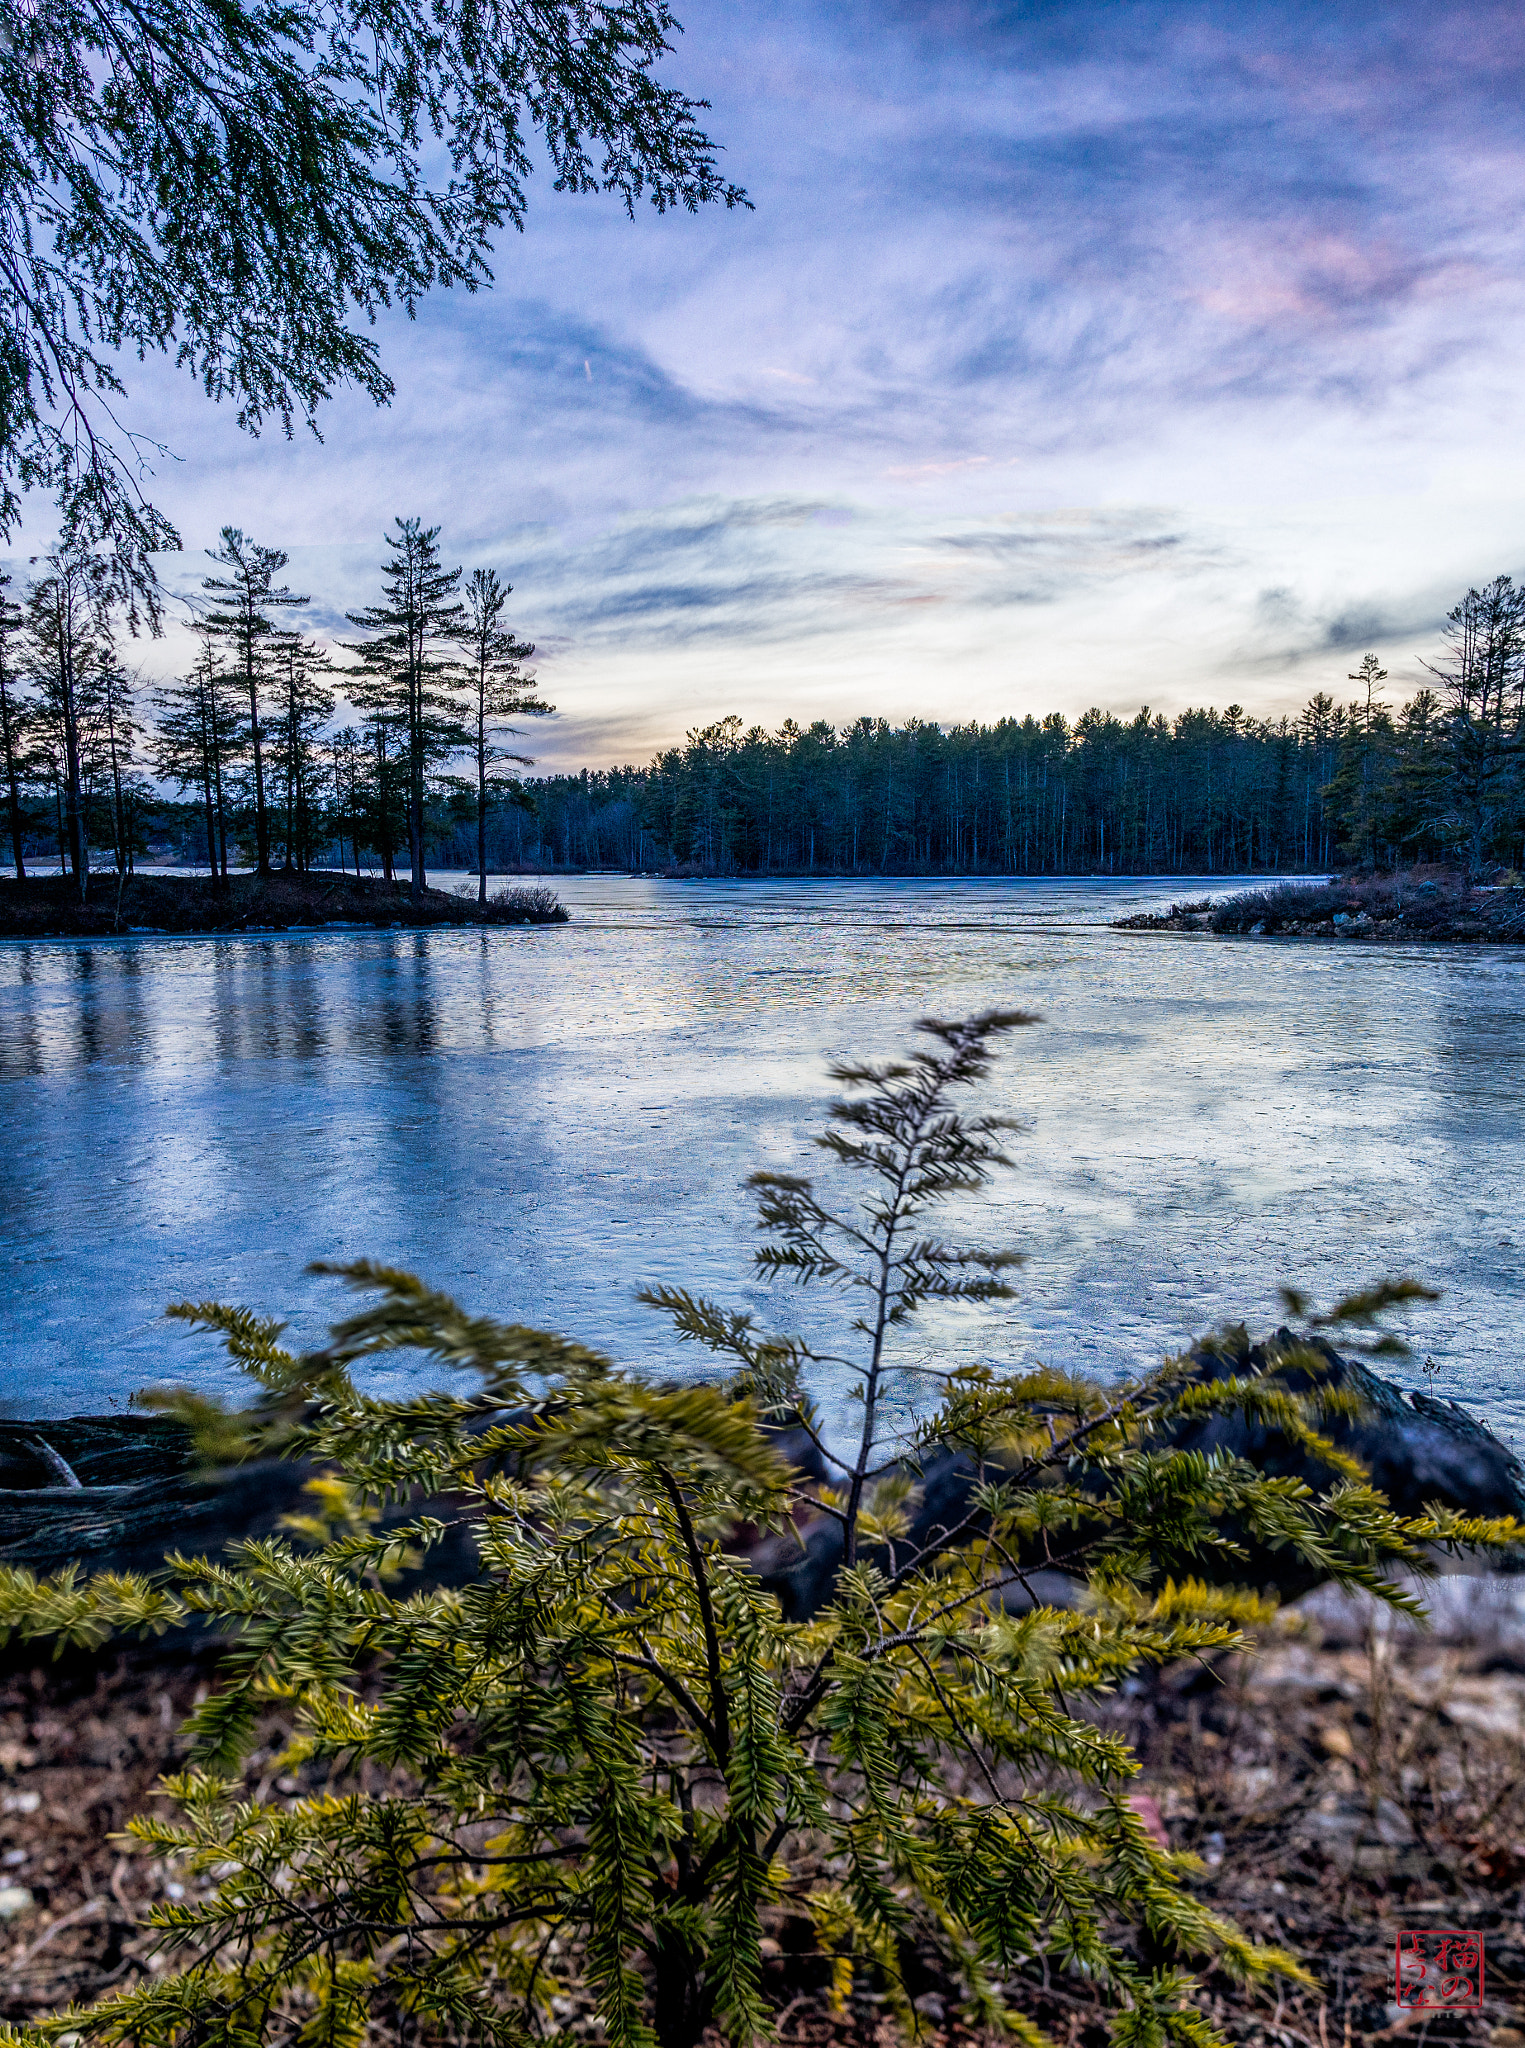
(1352, 783)
(248, 740)
(269, 753)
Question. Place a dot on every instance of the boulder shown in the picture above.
(1417, 1450)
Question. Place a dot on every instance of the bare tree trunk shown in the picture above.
(123, 852)
(481, 795)
(211, 830)
(261, 821)
(339, 810)
(74, 809)
(383, 813)
(416, 791)
(291, 764)
(222, 818)
(13, 780)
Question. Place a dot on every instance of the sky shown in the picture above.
(1070, 354)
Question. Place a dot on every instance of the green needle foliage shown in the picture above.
(244, 186)
(570, 1798)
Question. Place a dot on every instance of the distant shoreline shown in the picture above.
(1435, 906)
(152, 904)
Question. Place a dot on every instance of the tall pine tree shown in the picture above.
(68, 635)
(237, 614)
(121, 734)
(346, 756)
(306, 704)
(1358, 795)
(496, 688)
(13, 720)
(405, 668)
(200, 736)
(1484, 678)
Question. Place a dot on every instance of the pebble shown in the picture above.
(15, 1900)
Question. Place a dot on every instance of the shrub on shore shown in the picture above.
(48, 907)
(1417, 903)
(1421, 898)
(536, 905)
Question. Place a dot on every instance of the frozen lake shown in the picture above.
(542, 1119)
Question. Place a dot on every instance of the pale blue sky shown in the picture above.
(1073, 353)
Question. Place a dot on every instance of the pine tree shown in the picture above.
(1483, 676)
(496, 688)
(68, 639)
(200, 738)
(405, 670)
(381, 789)
(297, 668)
(1357, 794)
(346, 754)
(1416, 796)
(236, 613)
(13, 720)
(597, 1773)
(120, 736)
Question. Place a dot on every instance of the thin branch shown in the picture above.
(720, 1709)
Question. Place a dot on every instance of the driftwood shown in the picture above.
(139, 1494)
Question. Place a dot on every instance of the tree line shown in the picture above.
(397, 757)
(248, 736)
(1359, 782)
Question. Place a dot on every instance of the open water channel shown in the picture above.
(542, 1119)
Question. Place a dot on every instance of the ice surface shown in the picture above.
(540, 1119)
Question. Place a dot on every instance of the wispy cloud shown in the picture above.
(1015, 272)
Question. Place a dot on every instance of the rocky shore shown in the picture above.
(48, 907)
(1429, 905)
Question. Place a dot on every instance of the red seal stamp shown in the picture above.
(1440, 1969)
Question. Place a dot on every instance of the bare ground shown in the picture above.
(1348, 1782)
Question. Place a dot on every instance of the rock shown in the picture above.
(142, 1494)
(1490, 1705)
(1418, 1450)
(1351, 1824)
(15, 1900)
(1482, 1611)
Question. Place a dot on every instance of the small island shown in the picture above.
(49, 906)
(1433, 905)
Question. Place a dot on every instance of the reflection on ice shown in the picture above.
(542, 1119)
